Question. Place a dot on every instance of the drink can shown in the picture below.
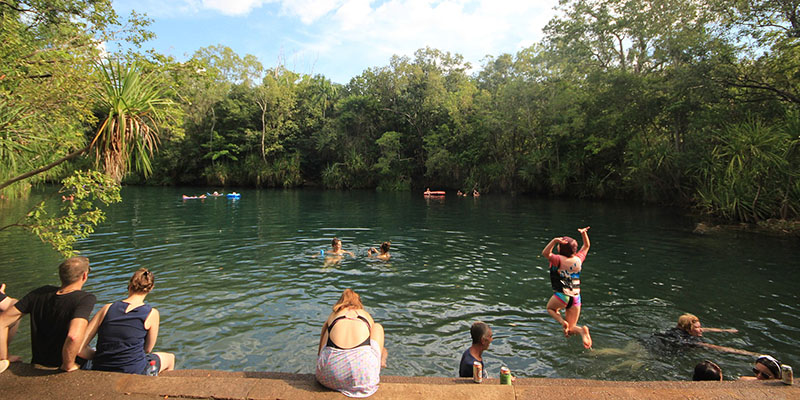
(787, 376)
(477, 372)
(505, 376)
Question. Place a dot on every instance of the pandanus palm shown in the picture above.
(133, 105)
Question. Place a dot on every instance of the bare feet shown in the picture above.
(587, 339)
(565, 325)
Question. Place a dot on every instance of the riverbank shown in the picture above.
(23, 381)
(771, 227)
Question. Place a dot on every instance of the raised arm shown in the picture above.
(151, 324)
(549, 248)
(585, 239)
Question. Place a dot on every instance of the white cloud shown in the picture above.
(310, 11)
(470, 28)
(341, 36)
(233, 7)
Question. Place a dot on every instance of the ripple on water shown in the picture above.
(239, 287)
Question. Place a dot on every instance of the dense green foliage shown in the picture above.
(59, 100)
(686, 102)
(691, 102)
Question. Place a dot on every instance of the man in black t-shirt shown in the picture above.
(59, 317)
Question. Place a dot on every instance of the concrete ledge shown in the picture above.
(23, 381)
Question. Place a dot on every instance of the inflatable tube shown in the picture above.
(434, 193)
(234, 195)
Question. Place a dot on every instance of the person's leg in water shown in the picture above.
(572, 314)
(554, 305)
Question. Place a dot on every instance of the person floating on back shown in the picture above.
(127, 331)
(59, 316)
(565, 278)
(481, 335)
(383, 254)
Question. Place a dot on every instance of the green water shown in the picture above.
(238, 288)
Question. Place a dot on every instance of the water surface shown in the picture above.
(239, 288)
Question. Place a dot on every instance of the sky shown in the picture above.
(341, 38)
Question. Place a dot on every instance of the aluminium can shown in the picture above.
(787, 376)
(505, 376)
(477, 372)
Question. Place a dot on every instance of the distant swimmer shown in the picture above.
(475, 193)
(565, 279)
(383, 254)
(433, 193)
(335, 254)
(185, 197)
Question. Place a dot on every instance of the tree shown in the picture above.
(134, 104)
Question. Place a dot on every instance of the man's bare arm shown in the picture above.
(73, 343)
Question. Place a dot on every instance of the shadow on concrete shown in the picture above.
(24, 369)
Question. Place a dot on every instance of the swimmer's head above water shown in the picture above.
(690, 324)
(767, 367)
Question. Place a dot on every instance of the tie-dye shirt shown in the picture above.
(354, 372)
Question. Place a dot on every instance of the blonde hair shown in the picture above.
(142, 281)
(686, 321)
(348, 300)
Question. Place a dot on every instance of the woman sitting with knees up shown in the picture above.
(127, 331)
(351, 351)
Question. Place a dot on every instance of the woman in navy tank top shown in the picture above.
(127, 331)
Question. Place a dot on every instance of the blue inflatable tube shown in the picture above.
(234, 195)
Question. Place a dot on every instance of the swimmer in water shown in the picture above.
(565, 278)
(383, 254)
(765, 368)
